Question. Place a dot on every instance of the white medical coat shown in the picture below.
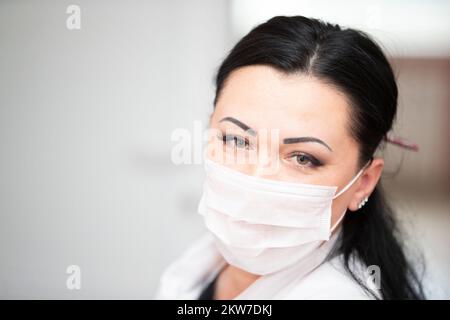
(313, 278)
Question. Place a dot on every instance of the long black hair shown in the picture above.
(352, 62)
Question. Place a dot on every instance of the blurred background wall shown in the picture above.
(86, 118)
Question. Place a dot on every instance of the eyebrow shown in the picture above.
(305, 139)
(240, 124)
(251, 131)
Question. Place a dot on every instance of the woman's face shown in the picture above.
(308, 121)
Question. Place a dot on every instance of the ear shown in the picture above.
(367, 183)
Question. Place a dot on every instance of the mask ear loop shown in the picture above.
(345, 188)
(354, 179)
(339, 221)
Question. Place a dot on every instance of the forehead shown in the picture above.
(296, 104)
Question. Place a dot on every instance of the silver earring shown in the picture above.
(363, 202)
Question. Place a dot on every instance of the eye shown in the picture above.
(304, 160)
(235, 141)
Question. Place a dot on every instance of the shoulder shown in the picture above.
(330, 281)
(187, 275)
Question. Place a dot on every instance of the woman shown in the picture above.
(308, 219)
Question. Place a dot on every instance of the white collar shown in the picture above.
(201, 262)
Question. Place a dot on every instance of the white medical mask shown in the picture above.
(261, 225)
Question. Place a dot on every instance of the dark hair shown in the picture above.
(352, 62)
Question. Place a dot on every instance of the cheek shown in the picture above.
(340, 204)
